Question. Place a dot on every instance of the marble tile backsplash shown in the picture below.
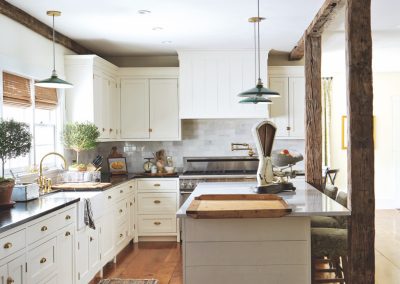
(200, 137)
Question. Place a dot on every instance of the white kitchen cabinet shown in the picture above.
(66, 248)
(95, 96)
(149, 109)
(13, 271)
(42, 261)
(287, 111)
(107, 237)
(157, 203)
(132, 221)
(210, 81)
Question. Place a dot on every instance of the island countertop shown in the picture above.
(304, 201)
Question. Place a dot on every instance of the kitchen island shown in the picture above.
(255, 250)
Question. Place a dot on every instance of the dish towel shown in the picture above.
(88, 214)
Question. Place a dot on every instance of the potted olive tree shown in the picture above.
(15, 141)
(79, 137)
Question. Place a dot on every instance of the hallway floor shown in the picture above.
(163, 261)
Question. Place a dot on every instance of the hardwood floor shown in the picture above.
(163, 260)
(158, 260)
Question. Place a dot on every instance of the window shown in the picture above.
(38, 107)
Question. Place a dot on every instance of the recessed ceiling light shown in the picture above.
(157, 28)
(144, 12)
(166, 42)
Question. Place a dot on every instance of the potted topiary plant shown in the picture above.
(15, 141)
(79, 137)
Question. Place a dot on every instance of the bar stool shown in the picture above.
(330, 174)
(326, 221)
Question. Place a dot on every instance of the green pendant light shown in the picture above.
(257, 95)
(54, 82)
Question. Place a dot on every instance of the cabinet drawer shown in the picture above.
(42, 229)
(67, 217)
(121, 214)
(156, 224)
(121, 235)
(12, 243)
(42, 261)
(156, 184)
(157, 203)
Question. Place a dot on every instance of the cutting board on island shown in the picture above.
(83, 185)
(220, 206)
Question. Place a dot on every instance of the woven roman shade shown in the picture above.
(45, 98)
(16, 90)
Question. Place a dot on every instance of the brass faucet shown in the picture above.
(45, 183)
(242, 147)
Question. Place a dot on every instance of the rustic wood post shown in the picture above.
(360, 150)
(313, 119)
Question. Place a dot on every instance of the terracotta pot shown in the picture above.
(6, 189)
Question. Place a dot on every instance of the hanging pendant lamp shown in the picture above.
(54, 81)
(257, 95)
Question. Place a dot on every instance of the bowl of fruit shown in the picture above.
(284, 157)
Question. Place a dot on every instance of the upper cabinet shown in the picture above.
(150, 104)
(95, 96)
(287, 111)
(210, 81)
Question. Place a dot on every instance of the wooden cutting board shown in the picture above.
(219, 206)
(84, 185)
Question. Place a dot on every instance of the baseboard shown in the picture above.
(158, 239)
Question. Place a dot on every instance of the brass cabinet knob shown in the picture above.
(121, 191)
(43, 260)
(130, 203)
(157, 223)
(104, 129)
(91, 239)
(130, 186)
(10, 280)
(111, 129)
(67, 217)
(288, 128)
(120, 210)
(121, 235)
(7, 245)
(44, 229)
(150, 130)
(109, 197)
(157, 184)
(67, 234)
(157, 201)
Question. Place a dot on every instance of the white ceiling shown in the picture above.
(115, 28)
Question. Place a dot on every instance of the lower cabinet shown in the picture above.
(66, 248)
(41, 261)
(13, 271)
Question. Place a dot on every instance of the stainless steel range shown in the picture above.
(215, 169)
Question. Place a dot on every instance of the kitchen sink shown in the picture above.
(96, 199)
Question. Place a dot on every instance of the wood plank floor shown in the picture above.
(147, 260)
(163, 260)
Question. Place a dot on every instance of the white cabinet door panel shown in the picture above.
(164, 112)
(16, 270)
(135, 108)
(279, 109)
(297, 106)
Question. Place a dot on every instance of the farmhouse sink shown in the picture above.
(96, 199)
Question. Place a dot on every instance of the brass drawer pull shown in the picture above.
(157, 223)
(109, 197)
(10, 280)
(43, 260)
(130, 186)
(91, 239)
(121, 235)
(157, 184)
(130, 203)
(157, 201)
(121, 191)
(67, 217)
(44, 229)
(67, 234)
(7, 245)
(120, 210)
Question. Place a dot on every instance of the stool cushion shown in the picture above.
(328, 242)
(324, 222)
(331, 191)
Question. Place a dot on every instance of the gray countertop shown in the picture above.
(304, 201)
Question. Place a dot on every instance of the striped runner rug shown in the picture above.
(128, 281)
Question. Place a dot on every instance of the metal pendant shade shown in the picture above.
(258, 94)
(255, 100)
(54, 82)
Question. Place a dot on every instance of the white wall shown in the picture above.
(386, 91)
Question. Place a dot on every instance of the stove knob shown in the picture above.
(190, 185)
(183, 185)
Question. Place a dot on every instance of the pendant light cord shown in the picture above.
(255, 51)
(258, 32)
(54, 49)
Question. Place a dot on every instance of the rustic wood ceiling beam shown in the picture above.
(325, 15)
(360, 151)
(37, 26)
